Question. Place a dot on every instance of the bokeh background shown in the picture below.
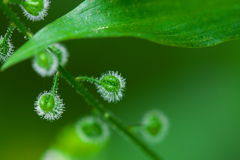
(198, 89)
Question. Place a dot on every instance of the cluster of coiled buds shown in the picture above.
(45, 63)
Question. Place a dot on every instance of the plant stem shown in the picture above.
(136, 128)
(104, 112)
(54, 88)
(9, 31)
(85, 78)
(14, 19)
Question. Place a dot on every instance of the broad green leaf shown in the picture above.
(183, 23)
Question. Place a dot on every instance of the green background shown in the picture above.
(198, 89)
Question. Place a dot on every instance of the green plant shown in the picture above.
(142, 19)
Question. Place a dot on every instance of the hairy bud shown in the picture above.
(35, 10)
(45, 63)
(61, 52)
(155, 126)
(91, 130)
(48, 106)
(111, 86)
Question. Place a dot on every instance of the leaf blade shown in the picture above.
(184, 24)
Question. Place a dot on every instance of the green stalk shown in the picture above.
(9, 31)
(85, 78)
(104, 112)
(14, 19)
(136, 128)
(54, 88)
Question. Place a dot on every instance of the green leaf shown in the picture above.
(183, 23)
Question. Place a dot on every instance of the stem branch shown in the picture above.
(104, 112)
(54, 88)
(85, 78)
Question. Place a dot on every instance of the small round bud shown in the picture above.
(55, 154)
(35, 10)
(111, 87)
(48, 106)
(155, 126)
(91, 130)
(61, 52)
(45, 63)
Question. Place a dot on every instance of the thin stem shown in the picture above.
(104, 112)
(14, 19)
(9, 31)
(90, 79)
(54, 88)
(136, 128)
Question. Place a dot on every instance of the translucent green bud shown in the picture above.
(48, 106)
(155, 125)
(91, 130)
(111, 87)
(111, 83)
(45, 63)
(61, 52)
(35, 10)
(47, 102)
